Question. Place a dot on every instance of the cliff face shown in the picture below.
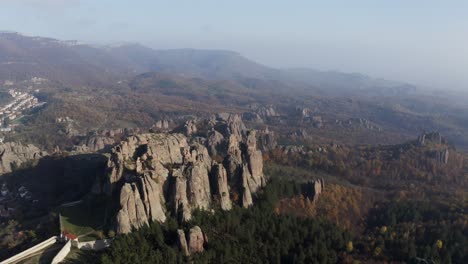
(13, 155)
(157, 175)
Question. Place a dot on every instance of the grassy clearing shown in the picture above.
(84, 219)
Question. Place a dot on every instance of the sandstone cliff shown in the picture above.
(157, 175)
(14, 155)
(192, 244)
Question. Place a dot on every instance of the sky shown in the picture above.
(424, 42)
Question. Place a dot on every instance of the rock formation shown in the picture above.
(196, 241)
(267, 140)
(94, 144)
(303, 112)
(259, 113)
(442, 156)
(183, 242)
(190, 128)
(221, 188)
(434, 138)
(14, 155)
(157, 175)
(313, 189)
(318, 188)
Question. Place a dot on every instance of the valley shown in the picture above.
(133, 155)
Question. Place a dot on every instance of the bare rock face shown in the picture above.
(255, 163)
(153, 199)
(267, 140)
(155, 151)
(221, 184)
(94, 144)
(247, 200)
(161, 125)
(183, 242)
(132, 214)
(267, 111)
(318, 188)
(442, 156)
(190, 128)
(196, 240)
(431, 138)
(14, 155)
(181, 205)
(214, 142)
(164, 174)
(303, 112)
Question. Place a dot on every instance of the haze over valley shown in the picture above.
(217, 144)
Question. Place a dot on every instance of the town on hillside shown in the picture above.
(14, 110)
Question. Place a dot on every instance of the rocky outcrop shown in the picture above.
(303, 112)
(260, 113)
(318, 188)
(254, 162)
(252, 117)
(267, 111)
(14, 155)
(189, 128)
(317, 121)
(215, 142)
(313, 189)
(442, 156)
(162, 124)
(94, 144)
(132, 214)
(431, 138)
(267, 140)
(221, 186)
(164, 174)
(230, 125)
(183, 242)
(196, 240)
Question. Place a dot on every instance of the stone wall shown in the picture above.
(41, 246)
(92, 245)
(62, 253)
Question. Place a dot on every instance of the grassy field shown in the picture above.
(84, 220)
(77, 256)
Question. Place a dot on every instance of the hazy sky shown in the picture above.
(419, 41)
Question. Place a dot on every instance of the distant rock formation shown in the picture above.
(433, 137)
(438, 147)
(361, 123)
(267, 111)
(190, 128)
(442, 156)
(313, 189)
(102, 140)
(183, 242)
(260, 113)
(14, 155)
(303, 112)
(319, 185)
(157, 175)
(196, 241)
(267, 140)
(94, 144)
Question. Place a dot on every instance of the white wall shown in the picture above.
(93, 245)
(31, 250)
(62, 253)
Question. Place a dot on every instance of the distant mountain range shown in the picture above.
(75, 63)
